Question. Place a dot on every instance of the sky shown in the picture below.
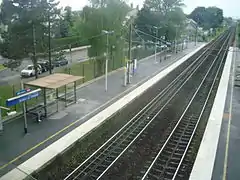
(230, 7)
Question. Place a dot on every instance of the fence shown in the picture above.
(89, 69)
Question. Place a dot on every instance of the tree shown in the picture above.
(65, 23)
(164, 14)
(104, 16)
(211, 17)
(27, 22)
(68, 16)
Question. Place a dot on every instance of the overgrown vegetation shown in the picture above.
(211, 17)
(33, 25)
(1, 67)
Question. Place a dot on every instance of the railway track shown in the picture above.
(167, 163)
(102, 161)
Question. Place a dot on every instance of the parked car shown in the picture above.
(29, 71)
(61, 61)
(12, 63)
(45, 65)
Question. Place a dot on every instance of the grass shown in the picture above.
(6, 92)
(89, 69)
(2, 67)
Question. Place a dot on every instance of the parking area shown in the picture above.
(62, 59)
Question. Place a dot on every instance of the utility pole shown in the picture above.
(49, 43)
(129, 52)
(34, 50)
(196, 35)
(176, 39)
(106, 64)
(156, 43)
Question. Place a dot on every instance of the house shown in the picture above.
(191, 27)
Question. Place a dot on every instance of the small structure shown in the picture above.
(56, 84)
(191, 27)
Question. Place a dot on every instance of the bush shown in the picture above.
(63, 43)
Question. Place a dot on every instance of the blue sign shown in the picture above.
(24, 97)
(23, 91)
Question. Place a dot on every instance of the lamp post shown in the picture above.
(130, 17)
(196, 36)
(176, 38)
(106, 64)
(156, 43)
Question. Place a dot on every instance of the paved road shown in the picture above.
(17, 147)
(14, 76)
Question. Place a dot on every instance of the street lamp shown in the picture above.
(177, 26)
(156, 43)
(130, 17)
(106, 66)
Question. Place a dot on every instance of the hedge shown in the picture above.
(63, 43)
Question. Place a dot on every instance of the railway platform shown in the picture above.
(218, 156)
(21, 154)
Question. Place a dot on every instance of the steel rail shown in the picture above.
(181, 118)
(148, 106)
(205, 104)
(148, 124)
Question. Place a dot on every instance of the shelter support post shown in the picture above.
(65, 93)
(57, 99)
(75, 91)
(45, 101)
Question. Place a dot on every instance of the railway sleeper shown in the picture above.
(174, 160)
(175, 138)
(94, 176)
(159, 165)
(171, 168)
(167, 153)
(173, 143)
(125, 143)
(178, 151)
(170, 149)
(141, 126)
(161, 162)
(182, 144)
(168, 175)
(122, 144)
(192, 124)
(157, 171)
(178, 155)
(100, 168)
(186, 136)
(151, 176)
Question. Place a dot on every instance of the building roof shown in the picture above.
(191, 24)
(54, 81)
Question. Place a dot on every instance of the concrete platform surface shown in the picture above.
(227, 162)
(218, 157)
(203, 166)
(16, 147)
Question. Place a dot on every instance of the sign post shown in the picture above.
(24, 112)
(22, 98)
